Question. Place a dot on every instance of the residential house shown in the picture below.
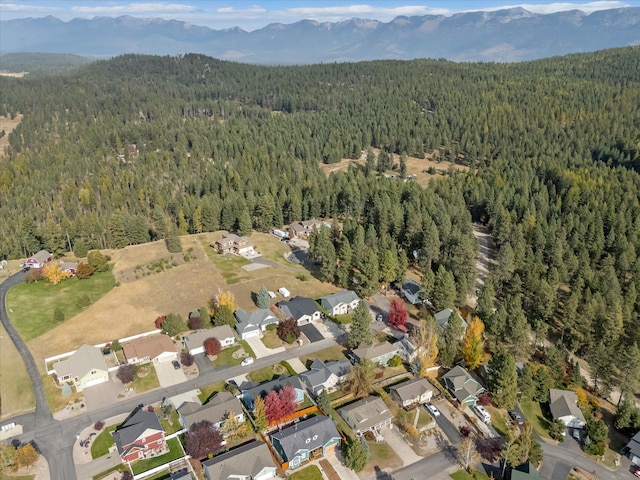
(632, 450)
(406, 349)
(564, 407)
(380, 353)
(325, 376)
(84, 368)
(252, 324)
(367, 415)
(151, 348)
(69, 267)
(411, 393)
(180, 475)
(462, 385)
(304, 228)
(340, 303)
(526, 471)
(251, 393)
(140, 436)
(302, 309)
(194, 341)
(216, 410)
(305, 440)
(411, 291)
(443, 316)
(232, 243)
(251, 461)
(39, 260)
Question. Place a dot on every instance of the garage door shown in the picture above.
(93, 382)
(255, 333)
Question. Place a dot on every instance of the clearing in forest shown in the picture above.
(7, 124)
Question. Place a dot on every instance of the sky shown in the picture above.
(253, 14)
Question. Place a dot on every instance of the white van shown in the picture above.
(482, 413)
(284, 292)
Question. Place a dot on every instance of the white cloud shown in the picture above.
(156, 9)
(588, 7)
(30, 9)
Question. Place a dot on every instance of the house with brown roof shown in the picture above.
(380, 353)
(194, 341)
(232, 243)
(216, 410)
(38, 260)
(367, 415)
(411, 393)
(84, 368)
(304, 228)
(152, 348)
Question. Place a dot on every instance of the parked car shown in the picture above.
(379, 317)
(432, 408)
(516, 417)
(636, 472)
(176, 364)
(247, 361)
(576, 434)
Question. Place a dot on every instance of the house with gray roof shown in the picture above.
(526, 471)
(413, 392)
(84, 368)
(302, 309)
(367, 415)
(632, 450)
(216, 410)
(262, 389)
(410, 290)
(305, 440)
(564, 407)
(140, 436)
(38, 260)
(340, 303)
(443, 316)
(194, 341)
(325, 376)
(252, 324)
(380, 353)
(251, 461)
(462, 385)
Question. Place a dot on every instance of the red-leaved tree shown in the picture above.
(202, 439)
(280, 404)
(160, 321)
(195, 323)
(398, 313)
(186, 359)
(212, 346)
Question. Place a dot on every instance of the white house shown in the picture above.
(194, 342)
(412, 392)
(151, 348)
(252, 324)
(564, 407)
(340, 303)
(84, 368)
(325, 376)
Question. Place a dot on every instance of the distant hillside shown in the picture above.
(40, 62)
(505, 36)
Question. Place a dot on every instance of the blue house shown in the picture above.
(306, 440)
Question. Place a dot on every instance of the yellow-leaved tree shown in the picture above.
(425, 339)
(54, 274)
(473, 344)
(223, 297)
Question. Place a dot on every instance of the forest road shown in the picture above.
(484, 260)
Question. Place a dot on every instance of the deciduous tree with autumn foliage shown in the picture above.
(398, 313)
(54, 274)
(473, 344)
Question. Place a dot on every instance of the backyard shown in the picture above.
(31, 305)
(102, 442)
(533, 413)
(175, 452)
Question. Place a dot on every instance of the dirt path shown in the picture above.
(485, 259)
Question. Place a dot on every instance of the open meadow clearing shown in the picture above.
(148, 285)
(16, 391)
(8, 124)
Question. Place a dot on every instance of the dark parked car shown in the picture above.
(176, 364)
(516, 417)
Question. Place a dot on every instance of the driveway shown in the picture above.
(203, 363)
(259, 348)
(394, 438)
(168, 375)
(103, 394)
(311, 332)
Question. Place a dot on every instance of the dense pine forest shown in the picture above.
(139, 148)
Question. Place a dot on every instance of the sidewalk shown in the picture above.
(260, 349)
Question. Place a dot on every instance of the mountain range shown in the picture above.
(508, 35)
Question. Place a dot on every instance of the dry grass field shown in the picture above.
(16, 392)
(8, 125)
(133, 305)
(415, 166)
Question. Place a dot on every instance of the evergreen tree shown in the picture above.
(262, 298)
(526, 383)
(367, 275)
(324, 402)
(344, 272)
(360, 331)
(355, 455)
(224, 316)
(503, 380)
(543, 382)
(444, 289)
(450, 340)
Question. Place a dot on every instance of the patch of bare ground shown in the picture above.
(13, 74)
(423, 168)
(7, 124)
(133, 305)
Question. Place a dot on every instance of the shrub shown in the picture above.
(83, 301)
(395, 361)
(186, 359)
(159, 321)
(84, 270)
(98, 261)
(33, 275)
(195, 323)
(484, 399)
(58, 315)
(126, 373)
(288, 330)
(173, 244)
(99, 425)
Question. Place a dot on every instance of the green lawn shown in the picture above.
(382, 456)
(229, 266)
(175, 452)
(148, 382)
(102, 442)
(342, 425)
(208, 390)
(342, 319)
(225, 357)
(474, 475)
(31, 305)
(326, 355)
(271, 339)
(498, 419)
(312, 472)
(533, 413)
(172, 424)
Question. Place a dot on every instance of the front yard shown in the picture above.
(146, 379)
(533, 413)
(225, 357)
(474, 475)
(312, 472)
(31, 305)
(102, 442)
